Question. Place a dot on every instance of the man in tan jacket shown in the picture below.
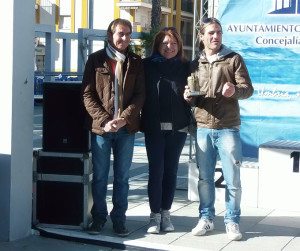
(224, 78)
(113, 92)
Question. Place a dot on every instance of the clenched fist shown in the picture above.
(228, 89)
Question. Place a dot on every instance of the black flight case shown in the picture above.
(62, 189)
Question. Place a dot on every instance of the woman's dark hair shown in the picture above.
(204, 24)
(173, 33)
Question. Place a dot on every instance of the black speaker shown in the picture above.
(62, 189)
(63, 118)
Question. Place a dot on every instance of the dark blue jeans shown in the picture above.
(121, 143)
(163, 151)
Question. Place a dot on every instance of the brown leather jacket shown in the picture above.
(215, 111)
(98, 91)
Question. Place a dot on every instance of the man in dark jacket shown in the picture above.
(113, 93)
(224, 78)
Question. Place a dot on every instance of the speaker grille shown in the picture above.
(63, 118)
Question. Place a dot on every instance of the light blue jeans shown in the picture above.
(122, 144)
(227, 144)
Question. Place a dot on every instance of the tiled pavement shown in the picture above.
(263, 229)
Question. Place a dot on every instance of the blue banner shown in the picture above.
(267, 35)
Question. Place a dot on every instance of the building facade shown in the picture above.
(69, 15)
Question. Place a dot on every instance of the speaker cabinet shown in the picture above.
(62, 189)
(63, 118)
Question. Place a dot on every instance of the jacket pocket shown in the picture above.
(102, 75)
(104, 85)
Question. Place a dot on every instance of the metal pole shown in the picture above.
(194, 28)
(193, 57)
(91, 24)
(201, 10)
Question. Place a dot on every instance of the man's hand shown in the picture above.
(111, 126)
(228, 89)
(114, 125)
(186, 94)
(120, 122)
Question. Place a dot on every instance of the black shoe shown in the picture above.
(95, 227)
(120, 229)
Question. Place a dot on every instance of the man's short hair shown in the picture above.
(112, 26)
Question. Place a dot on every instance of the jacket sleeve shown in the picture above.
(243, 88)
(138, 98)
(90, 98)
(194, 68)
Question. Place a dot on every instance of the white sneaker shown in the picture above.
(166, 224)
(233, 231)
(154, 225)
(203, 226)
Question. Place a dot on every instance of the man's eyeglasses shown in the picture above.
(169, 29)
(211, 20)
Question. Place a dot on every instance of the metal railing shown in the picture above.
(164, 3)
(84, 37)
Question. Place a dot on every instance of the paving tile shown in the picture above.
(134, 204)
(140, 212)
(161, 238)
(255, 212)
(184, 221)
(283, 218)
(214, 240)
(139, 193)
(140, 182)
(190, 209)
(263, 237)
(293, 245)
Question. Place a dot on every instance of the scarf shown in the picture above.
(119, 58)
(159, 58)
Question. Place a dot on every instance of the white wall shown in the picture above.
(125, 14)
(16, 111)
(78, 14)
(103, 13)
(65, 7)
(6, 74)
(74, 55)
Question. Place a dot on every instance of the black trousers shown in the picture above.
(163, 151)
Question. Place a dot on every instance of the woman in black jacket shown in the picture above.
(165, 118)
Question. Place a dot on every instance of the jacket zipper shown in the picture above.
(211, 93)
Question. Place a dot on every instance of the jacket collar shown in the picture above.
(224, 51)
